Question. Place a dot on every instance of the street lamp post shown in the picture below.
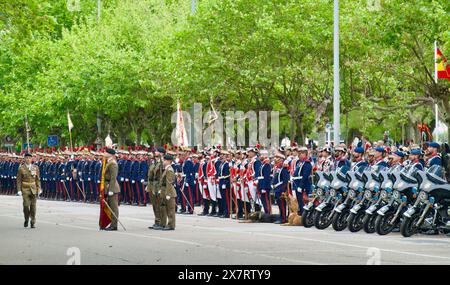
(336, 95)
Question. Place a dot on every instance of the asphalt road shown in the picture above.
(68, 233)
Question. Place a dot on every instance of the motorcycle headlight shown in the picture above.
(367, 194)
(319, 192)
(396, 195)
(423, 196)
(352, 194)
(332, 192)
(383, 194)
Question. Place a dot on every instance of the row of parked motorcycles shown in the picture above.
(379, 199)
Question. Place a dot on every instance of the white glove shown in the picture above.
(299, 190)
(67, 178)
(142, 180)
(121, 179)
(19, 193)
(186, 184)
(263, 191)
(127, 179)
(159, 192)
(145, 189)
(110, 193)
(132, 181)
(168, 197)
(224, 186)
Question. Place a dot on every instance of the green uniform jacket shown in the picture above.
(154, 176)
(167, 180)
(111, 184)
(28, 180)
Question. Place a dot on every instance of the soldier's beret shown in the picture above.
(433, 144)
(416, 151)
(399, 153)
(111, 151)
(161, 149)
(359, 149)
(28, 155)
(380, 149)
(168, 157)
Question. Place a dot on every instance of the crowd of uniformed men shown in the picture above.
(224, 183)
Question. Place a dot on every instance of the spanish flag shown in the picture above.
(441, 65)
(105, 213)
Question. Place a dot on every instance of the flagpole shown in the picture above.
(70, 125)
(435, 63)
(28, 133)
(436, 81)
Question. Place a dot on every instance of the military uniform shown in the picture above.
(169, 195)
(29, 184)
(112, 186)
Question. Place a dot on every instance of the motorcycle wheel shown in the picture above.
(321, 220)
(369, 223)
(408, 226)
(340, 220)
(308, 218)
(356, 221)
(382, 225)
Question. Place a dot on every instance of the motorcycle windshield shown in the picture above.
(341, 173)
(436, 174)
(436, 170)
(375, 171)
(410, 175)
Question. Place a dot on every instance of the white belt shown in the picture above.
(276, 185)
(297, 177)
(224, 177)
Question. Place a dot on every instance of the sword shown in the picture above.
(182, 193)
(81, 190)
(65, 188)
(112, 212)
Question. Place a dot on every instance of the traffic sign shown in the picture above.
(52, 141)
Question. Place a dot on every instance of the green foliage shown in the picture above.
(128, 67)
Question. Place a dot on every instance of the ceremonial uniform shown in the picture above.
(264, 185)
(224, 186)
(358, 164)
(97, 179)
(134, 176)
(211, 176)
(253, 168)
(188, 186)
(142, 178)
(302, 181)
(112, 189)
(203, 185)
(434, 160)
(217, 165)
(126, 176)
(29, 185)
(279, 185)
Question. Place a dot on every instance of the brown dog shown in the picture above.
(293, 219)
